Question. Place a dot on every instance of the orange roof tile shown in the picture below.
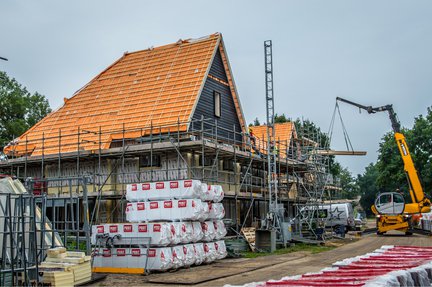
(158, 86)
(284, 133)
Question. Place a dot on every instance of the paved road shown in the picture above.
(276, 267)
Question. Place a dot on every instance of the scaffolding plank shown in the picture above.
(341, 152)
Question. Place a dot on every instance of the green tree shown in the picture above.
(20, 110)
(279, 119)
(367, 184)
(350, 189)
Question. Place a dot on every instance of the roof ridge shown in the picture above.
(179, 42)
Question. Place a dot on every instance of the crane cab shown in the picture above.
(390, 203)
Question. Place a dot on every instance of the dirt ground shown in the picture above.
(241, 270)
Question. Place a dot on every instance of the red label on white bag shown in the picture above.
(145, 186)
(216, 246)
(113, 228)
(184, 250)
(136, 252)
(173, 231)
(121, 252)
(182, 203)
(127, 228)
(134, 187)
(206, 248)
(215, 225)
(142, 228)
(174, 184)
(151, 253)
(187, 183)
(210, 206)
(204, 226)
(140, 206)
(162, 255)
(154, 205)
(193, 203)
(100, 229)
(160, 185)
(156, 227)
(208, 187)
(107, 253)
(167, 204)
(184, 227)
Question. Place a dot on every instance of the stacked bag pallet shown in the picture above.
(65, 268)
(171, 224)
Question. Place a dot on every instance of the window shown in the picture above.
(228, 165)
(144, 161)
(217, 104)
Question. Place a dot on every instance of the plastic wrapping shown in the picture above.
(209, 252)
(197, 233)
(172, 210)
(199, 253)
(178, 256)
(220, 229)
(190, 256)
(158, 258)
(216, 211)
(134, 233)
(208, 231)
(218, 193)
(221, 251)
(164, 190)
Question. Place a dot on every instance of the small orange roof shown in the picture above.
(284, 133)
(158, 86)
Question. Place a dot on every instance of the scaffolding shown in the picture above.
(205, 151)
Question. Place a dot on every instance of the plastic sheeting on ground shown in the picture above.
(386, 266)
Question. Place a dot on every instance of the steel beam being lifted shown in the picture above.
(341, 152)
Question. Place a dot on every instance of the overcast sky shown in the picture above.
(372, 52)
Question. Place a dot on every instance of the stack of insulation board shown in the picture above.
(386, 266)
(65, 268)
(179, 221)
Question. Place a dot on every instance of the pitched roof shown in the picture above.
(157, 86)
(284, 133)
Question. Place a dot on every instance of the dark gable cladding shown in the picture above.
(205, 107)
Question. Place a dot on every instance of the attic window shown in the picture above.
(217, 104)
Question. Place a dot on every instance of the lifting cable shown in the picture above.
(344, 130)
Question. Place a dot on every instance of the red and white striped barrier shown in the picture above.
(387, 266)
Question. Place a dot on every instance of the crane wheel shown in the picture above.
(408, 233)
(380, 233)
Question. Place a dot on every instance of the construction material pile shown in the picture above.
(65, 268)
(387, 266)
(170, 225)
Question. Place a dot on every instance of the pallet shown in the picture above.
(249, 235)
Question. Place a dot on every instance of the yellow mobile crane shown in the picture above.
(390, 208)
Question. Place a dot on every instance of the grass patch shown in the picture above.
(314, 249)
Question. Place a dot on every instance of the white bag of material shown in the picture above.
(186, 232)
(189, 255)
(160, 233)
(183, 189)
(131, 215)
(205, 212)
(199, 253)
(220, 229)
(221, 251)
(154, 211)
(176, 233)
(210, 252)
(102, 257)
(190, 209)
(218, 193)
(132, 192)
(97, 230)
(197, 233)
(216, 211)
(208, 193)
(208, 231)
(158, 191)
(178, 256)
(159, 258)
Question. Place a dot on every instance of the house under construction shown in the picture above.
(166, 113)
